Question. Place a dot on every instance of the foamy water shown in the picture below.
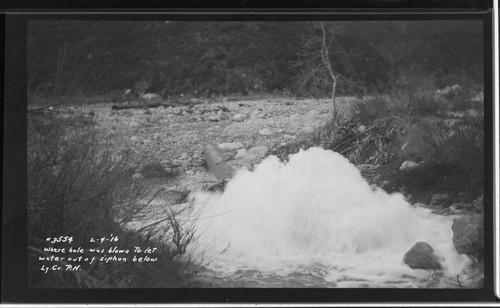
(316, 216)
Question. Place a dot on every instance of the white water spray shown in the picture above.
(317, 209)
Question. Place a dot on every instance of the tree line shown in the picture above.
(206, 58)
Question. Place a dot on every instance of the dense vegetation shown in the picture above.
(207, 58)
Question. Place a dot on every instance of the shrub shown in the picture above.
(425, 103)
(422, 139)
(78, 186)
(369, 109)
(376, 145)
(452, 158)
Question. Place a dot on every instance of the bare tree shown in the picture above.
(317, 67)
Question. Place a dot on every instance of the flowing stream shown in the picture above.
(315, 222)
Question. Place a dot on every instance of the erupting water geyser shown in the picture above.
(316, 209)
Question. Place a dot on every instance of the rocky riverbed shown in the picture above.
(173, 138)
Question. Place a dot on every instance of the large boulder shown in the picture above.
(216, 164)
(468, 234)
(230, 146)
(421, 256)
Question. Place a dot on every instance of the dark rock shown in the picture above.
(421, 256)
(468, 234)
(439, 199)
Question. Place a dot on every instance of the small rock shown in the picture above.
(215, 118)
(468, 234)
(461, 205)
(308, 130)
(241, 154)
(266, 132)
(134, 138)
(361, 129)
(152, 97)
(137, 176)
(239, 117)
(177, 162)
(258, 152)
(231, 146)
(408, 165)
(421, 256)
(195, 101)
(184, 156)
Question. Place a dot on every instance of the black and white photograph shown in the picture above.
(269, 153)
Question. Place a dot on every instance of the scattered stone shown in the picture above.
(421, 256)
(215, 118)
(216, 164)
(184, 156)
(195, 101)
(241, 154)
(152, 97)
(408, 165)
(232, 146)
(134, 138)
(177, 110)
(178, 162)
(265, 132)
(468, 234)
(361, 129)
(137, 176)
(239, 117)
(258, 153)
(254, 154)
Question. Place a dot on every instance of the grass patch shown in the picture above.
(80, 186)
